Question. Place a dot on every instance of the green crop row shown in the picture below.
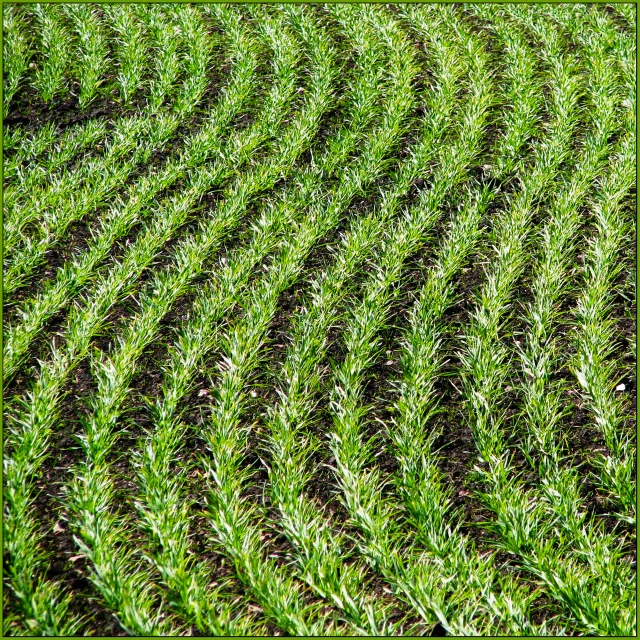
(317, 319)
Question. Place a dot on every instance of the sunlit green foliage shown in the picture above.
(319, 320)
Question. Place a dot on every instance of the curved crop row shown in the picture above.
(319, 319)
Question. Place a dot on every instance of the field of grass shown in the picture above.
(319, 319)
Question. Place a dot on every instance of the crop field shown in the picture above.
(319, 319)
